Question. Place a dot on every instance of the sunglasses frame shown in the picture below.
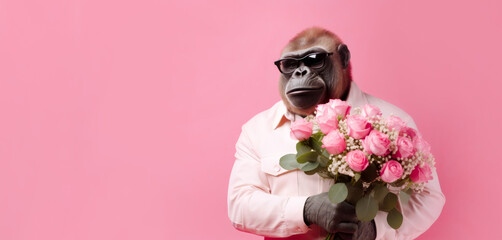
(278, 62)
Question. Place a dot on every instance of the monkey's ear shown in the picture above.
(344, 54)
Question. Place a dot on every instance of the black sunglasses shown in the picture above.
(313, 60)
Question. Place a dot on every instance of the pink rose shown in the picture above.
(326, 118)
(340, 107)
(370, 111)
(334, 142)
(396, 124)
(301, 129)
(376, 143)
(357, 160)
(421, 174)
(421, 145)
(412, 133)
(358, 127)
(391, 171)
(405, 147)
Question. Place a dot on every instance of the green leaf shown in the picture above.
(389, 202)
(325, 153)
(310, 166)
(395, 218)
(324, 173)
(370, 173)
(399, 183)
(355, 192)
(317, 136)
(307, 157)
(302, 148)
(323, 161)
(380, 192)
(289, 162)
(404, 196)
(338, 193)
(357, 176)
(366, 208)
(316, 143)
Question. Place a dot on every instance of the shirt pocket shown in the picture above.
(281, 181)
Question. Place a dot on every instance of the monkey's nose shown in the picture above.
(301, 71)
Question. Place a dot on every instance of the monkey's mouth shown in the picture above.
(305, 98)
(302, 91)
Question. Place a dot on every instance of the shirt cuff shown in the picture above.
(293, 215)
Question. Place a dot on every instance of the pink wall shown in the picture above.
(119, 119)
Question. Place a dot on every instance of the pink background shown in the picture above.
(119, 119)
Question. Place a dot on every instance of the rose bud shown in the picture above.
(358, 127)
(396, 124)
(357, 160)
(334, 142)
(326, 118)
(391, 171)
(340, 107)
(376, 143)
(301, 129)
(369, 111)
(421, 174)
(412, 133)
(405, 147)
(421, 145)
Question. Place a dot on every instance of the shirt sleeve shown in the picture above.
(419, 214)
(251, 206)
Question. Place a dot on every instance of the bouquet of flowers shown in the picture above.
(373, 160)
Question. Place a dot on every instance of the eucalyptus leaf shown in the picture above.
(310, 166)
(355, 192)
(389, 202)
(399, 183)
(302, 148)
(404, 196)
(357, 176)
(289, 162)
(307, 157)
(323, 161)
(325, 153)
(395, 218)
(380, 192)
(317, 136)
(366, 208)
(316, 144)
(312, 172)
(338, 193)
(324, 173)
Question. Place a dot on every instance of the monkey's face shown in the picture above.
(306, 78)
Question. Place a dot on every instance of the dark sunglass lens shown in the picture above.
(288, 65)
(315, 60)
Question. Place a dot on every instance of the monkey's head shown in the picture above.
(314, 68)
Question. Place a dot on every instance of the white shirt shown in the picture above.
(267, 200)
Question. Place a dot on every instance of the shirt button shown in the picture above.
(277, 168)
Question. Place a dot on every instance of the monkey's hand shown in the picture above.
(366, 230)
(340, 218)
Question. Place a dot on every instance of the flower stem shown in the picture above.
(328, 237)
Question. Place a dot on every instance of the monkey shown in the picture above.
(267, 200)
(315, 67)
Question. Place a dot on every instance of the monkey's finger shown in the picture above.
(346, 227)
(345, 236)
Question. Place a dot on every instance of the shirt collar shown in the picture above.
(355, 98)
